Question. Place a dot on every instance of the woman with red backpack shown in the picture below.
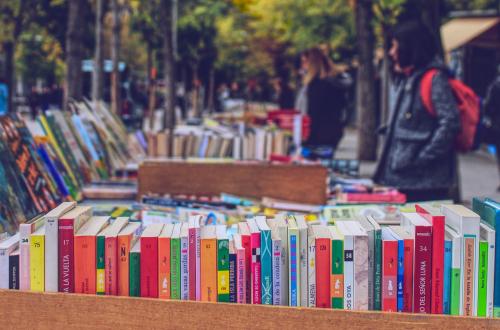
(419, 156)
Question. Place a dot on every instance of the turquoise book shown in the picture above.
(447, 277)
(266, 261)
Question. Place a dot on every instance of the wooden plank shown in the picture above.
(26, 310)
(295, 183)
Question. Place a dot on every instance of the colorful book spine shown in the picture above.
(14, 264)
(256, 268)
(377, 272)
(389, 275)
(491, 215)
(468, 277)
(322, 265)
(149, 267)
(408, 276)
(303, 267)
(111, 266)
(209, 270)
(482, 285)
(246, 244)
(422, 270)
(233, 293)
(456, 277)
(25, 230)
(124, 243)
(266, 267)
(175, 268)
(400, 294)
(348, 272)
(194, 263)
(447, 277)
(164, 257)
(277, 263)
(311, 271)
(85, 275)
(294, 274)
(100, 265)
(241, 276)
(66, 257)
(135, 274)
(223, 270)
(37, 262)
(184, 268)
(337, 279)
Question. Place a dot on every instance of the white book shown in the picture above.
(311, 268)
(52, 245)
(184, 262)
(25, 231)
(237, 147)
(7, 246)
(466, 223)
(277, 264)
(488, 234)
(302, 227)
(348, 265)
(456, 257)
(279, 224)
(360, 265)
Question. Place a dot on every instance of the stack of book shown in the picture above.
(436, 260)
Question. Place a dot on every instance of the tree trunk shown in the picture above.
(97, 76)
(385, 79)
(211, 91)
(74, 52)
(365, 94)
(169, 70)
(115, 59)
(9, 48)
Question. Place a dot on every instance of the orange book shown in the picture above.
(85, 255)
(208, 264)
(111, 255)
(164, 261)
(126, 239)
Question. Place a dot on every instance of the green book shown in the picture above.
(222, 264)
(456, 248)
(135, 270)
(175, 262)
(337, 253)
(100, 272)
(377, 271)
(482, 279)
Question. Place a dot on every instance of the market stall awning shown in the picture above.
(460, 31)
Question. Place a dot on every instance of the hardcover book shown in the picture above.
(111, 255)
(149, 260)
(125, 240)
(164, 261)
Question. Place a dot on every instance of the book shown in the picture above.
(135, 270)
(85, 254)
(488, 235)
(348, 264)
(482, 278)
(69, 224)
(175, 262)
(436, 219)
(125, 240)
(7, 246)
(244, 231)
(111, 254)
(279, 230)
(241, 273)
(407, 259)
(448, 247)
(149, 260)
(421, 231)
(389, 271)
(194, 257)
(37, 260)
(302, 228)
(25, 231)
(294, 263)
(209, 263)
(266, 260)
(337, 268)
(311, 269)
(164, 261)
(184, 262)
(52, 245)
(232, 273)
(360, 265)
(322, 237)
(466, 223)
(277, 264)
(456, 298)
(256, 261)
(377, 263)
(400, 265)
(14, 263)
(222, 264)
(100, 263)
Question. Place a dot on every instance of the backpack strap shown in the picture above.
(426, 91)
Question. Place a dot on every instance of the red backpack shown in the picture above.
(468, 104)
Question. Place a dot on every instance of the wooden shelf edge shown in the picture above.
(19, 309)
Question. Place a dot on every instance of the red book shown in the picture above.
(194, 257)
(149, 261)
(111, 255)
(323, 298)
(244, 231)
(68, 225)
(421, 230)
(255, 265)
(436, 219)
(389, 272)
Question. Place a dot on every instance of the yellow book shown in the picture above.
(208, 264)
(37, 260)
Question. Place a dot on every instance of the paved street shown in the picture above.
(478, 170)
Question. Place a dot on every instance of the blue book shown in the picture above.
(293, 255)
(61, 186)
(447, 277)
(266, 261)
(395, 231)
(232, 274)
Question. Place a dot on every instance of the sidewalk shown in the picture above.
(478, 170)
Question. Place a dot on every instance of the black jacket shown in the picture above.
(419, 150)
(325, 103)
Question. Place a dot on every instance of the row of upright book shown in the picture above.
(435, 260)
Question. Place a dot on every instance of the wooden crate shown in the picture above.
(28, 310)
(294, 183)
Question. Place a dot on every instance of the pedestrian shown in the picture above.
(321, 100)
(4, 97)
(418, 155)
(492, 116)
(283, 94)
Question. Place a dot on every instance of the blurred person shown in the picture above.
(321, 100)
(419, 156)
(283, 94)
(235, 92)
(492, 116)
(4, 97)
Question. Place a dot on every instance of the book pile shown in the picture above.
(436, 260)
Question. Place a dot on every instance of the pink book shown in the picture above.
(241, 280)
(255, 265)
(194, 257)
(25, 231)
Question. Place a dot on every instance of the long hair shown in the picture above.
(319, 66)
(417, 44)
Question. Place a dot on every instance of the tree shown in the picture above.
(74, 51)
(97, 74)
(166, 10)
(365, 89)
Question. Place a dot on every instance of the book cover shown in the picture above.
(25, 231)
(69, 224)
(184, 262)
(244, 231)
(482, 285)
(164, 261)
(241, 272)
(456, 271)
(37, 260)
(194, 257)
(209, 264)
(175, 263)
(279, 231)
(447, 277)
(256, 261)
(311, 269)
(302, 228)
(125, 240)
(266, 261)
(468, 276)
(222, 264)
(337, 268)
(360, 266)
(149, 260)
(277, 264)
(111, 255)
(293, 261)
(135, 270)
(377, 264)
(323, 273)
(100, 264)
(406, 295)
(400, 278)
(7, 246)
(14, 263)
(233, 293)
(348, 265)
(488, 234)
(389, 271)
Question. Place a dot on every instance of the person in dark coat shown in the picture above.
(322, 100)
(492, 116)
(418, 156)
